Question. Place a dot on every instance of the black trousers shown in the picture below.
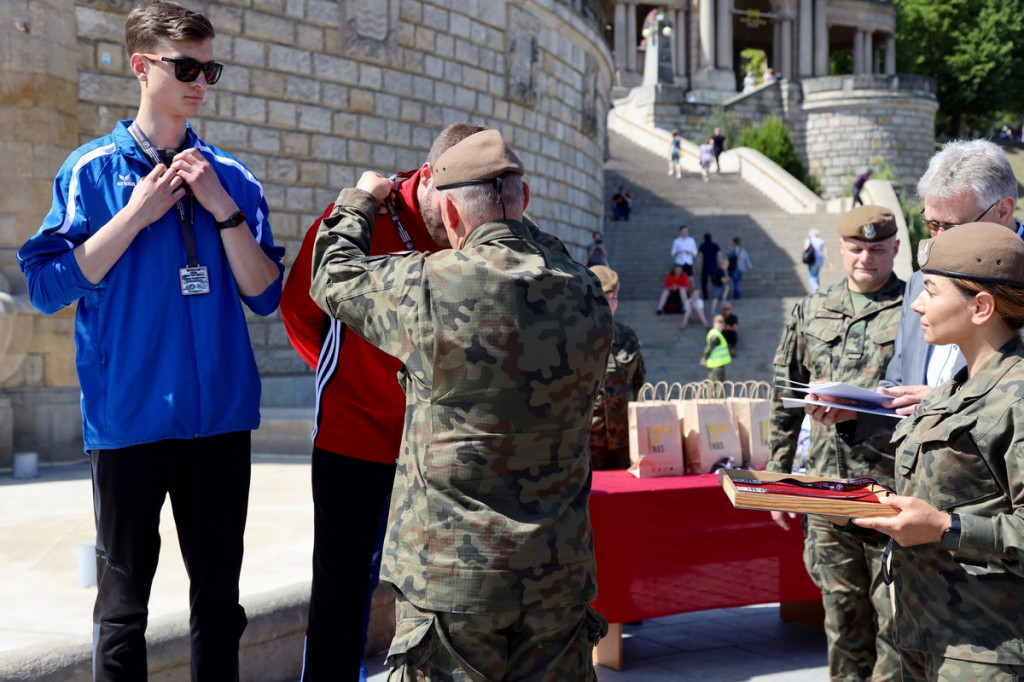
(208, 483)
(350, 498)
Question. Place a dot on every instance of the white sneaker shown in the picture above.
(670, 172)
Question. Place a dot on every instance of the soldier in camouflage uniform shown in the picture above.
(957, 566)
(609, 432)
(846, 333)
(504, 344)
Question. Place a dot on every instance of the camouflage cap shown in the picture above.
(609, 278)
(477, 160)
(868, 224)
(983, 252)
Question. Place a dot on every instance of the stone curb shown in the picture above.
(270, 650)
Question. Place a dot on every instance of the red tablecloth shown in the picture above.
(675, 544)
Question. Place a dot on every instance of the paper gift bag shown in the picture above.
(752, 409)
(710, 431)
(655, 438)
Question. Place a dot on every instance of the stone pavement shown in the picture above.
(44, 522)
(749, 643)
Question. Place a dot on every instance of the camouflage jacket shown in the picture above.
(504, 345)
(826, 341)
(624, 377)
(963, 451)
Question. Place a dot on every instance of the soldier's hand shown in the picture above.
(905, 398)
(782, 518)
(917, 523)
(827, 414)
(375, 184)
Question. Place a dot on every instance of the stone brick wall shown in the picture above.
(849, 120)
(313, 93)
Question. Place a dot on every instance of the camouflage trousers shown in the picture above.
(537, 645)
(847, 566)
(921, 667)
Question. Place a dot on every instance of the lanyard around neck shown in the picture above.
(185, 215)
(397, 180)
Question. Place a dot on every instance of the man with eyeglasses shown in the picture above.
(160, 237)
(966, 181)
(846, 333)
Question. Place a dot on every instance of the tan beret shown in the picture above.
(479, 158)
(984, 252)
(868, 224)
(609, 278)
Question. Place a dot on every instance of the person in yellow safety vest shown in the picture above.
(716, 351)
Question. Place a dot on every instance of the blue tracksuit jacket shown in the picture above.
(153, 364)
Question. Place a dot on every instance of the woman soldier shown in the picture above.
(959, 534)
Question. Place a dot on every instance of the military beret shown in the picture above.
(984, 252)
(478, 159)
(868, 224)
(609, 278)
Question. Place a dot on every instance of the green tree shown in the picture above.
(972, 48)
(771, 138)
(754, 61)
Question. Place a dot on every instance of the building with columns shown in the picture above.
(798, 37)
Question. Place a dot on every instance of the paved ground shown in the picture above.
(44, 522)
(713, 646)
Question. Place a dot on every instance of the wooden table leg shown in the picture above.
(608, 651)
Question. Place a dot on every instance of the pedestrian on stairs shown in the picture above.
(707, 151)
(716, 351)
(739, 263)
(820, 257)
(695, 309)
(674, 150)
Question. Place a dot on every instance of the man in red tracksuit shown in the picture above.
(360, 409)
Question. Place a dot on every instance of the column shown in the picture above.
(858, 52)
(621, 42)
(820, 38)
(631, 37)
(724, 35)
(707, 33)
(785, 65)
(869, 53)
(890, 56)
(775, 60)
(805, 46)
(679, 65)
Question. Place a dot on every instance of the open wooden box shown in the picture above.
(740, 485)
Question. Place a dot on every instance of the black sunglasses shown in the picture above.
(187, 69)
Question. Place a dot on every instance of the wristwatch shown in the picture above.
(234, 220)
(951, 536)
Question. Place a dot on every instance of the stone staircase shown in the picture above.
(726, 207)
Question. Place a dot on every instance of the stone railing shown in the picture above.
(904, 83)
(591, 10)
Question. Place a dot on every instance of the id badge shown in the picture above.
(194, 280)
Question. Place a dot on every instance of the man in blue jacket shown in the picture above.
(160, 238)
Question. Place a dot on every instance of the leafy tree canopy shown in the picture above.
(974, 51)
(771, 138)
